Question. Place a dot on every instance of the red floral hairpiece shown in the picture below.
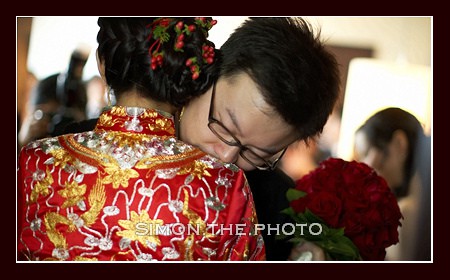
(161, 36)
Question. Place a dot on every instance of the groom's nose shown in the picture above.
(228, 154)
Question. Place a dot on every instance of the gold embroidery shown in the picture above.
(50, 259)
(97, 198)
(85, 154)
(119, 111)
(245, 253)
(117, 176)
(84, 259)
(141, 228)
(196, 168)
(113, 257)
(61, 157)
(150, 114)
(162, 125)
(226, 254)
(108, 120)
(51, 219)
(123, 139)
(73, 193)
(194, 219)
(168, 161)
(186, 247)
(42, 187)
(105, 120)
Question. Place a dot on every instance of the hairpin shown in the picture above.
(161, 36)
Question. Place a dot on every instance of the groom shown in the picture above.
(277, 85)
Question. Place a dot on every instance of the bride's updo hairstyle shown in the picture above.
(166, 59)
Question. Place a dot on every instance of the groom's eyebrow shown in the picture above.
(235, 122)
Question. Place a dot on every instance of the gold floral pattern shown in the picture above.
(135, 225)
(196, 168)
(117, 176)
(161, 125)
(106, 120)
(41, 187)
(73, 193)
(127, 139)
(60, 157)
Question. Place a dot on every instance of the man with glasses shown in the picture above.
(277, 85)
(226, 136)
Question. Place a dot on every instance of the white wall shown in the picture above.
(54, 38)
(393, 38)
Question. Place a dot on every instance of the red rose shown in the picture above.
(299, 205)
(352, 224)
(368, 249)
(351, 196)
(373, 217)
(326, 205)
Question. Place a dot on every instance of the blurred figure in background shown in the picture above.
(300, 158)
(30, 83)
(393, 142)
(56, 101)
(386, 141)
(22, 108)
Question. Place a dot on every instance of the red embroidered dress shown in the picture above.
(129, 190)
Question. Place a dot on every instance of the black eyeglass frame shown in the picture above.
(267, 164)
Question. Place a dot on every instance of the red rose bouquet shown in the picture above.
(354, 207)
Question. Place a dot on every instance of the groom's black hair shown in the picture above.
(291, 66)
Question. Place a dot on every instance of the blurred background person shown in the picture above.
(392, 141)
(386, 141)
(56, 101)
(31, 82)
(300, 158)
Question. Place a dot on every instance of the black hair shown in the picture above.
(124, 44)
(294, 71)
(379, 129)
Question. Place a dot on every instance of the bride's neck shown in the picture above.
(133, 99)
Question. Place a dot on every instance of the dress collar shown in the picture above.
(137, 120)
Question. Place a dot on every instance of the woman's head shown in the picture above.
(145, 55)
(387, 142)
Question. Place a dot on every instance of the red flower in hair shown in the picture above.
(161, 35)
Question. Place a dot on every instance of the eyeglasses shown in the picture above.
(228, 138)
